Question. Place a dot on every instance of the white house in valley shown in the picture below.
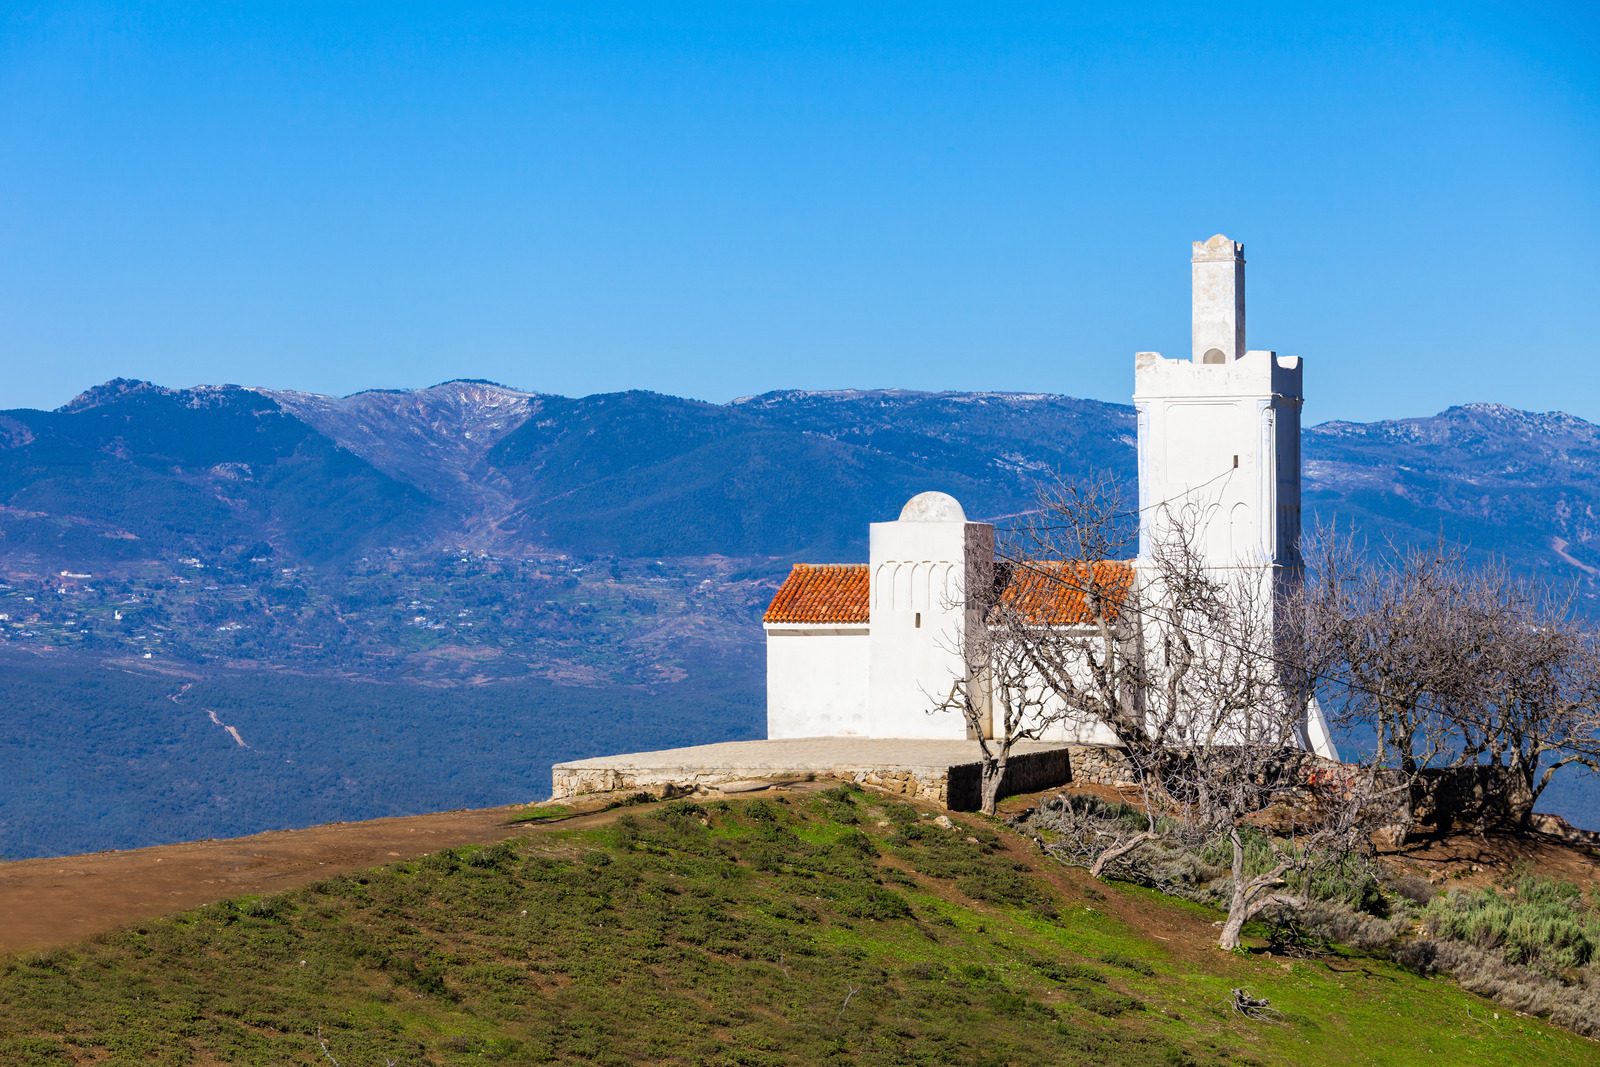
(857, 649)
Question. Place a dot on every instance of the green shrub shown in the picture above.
(1538, 922)
(761, 811)
(1105, 1002)
(1129, 963)
(870, 902)
(269, 908)
(843, 793)
(839, 804)
(1058, 971)
(490, 856)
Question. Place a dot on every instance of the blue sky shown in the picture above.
(720, 200)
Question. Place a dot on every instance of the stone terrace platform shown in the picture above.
(944, 772)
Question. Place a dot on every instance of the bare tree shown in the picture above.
(1539, 710)
(1400, 640)
(1115, 647)
(1234, 766)
(1003, 698)
(1141, 653)
(1203, 674)
(1089, 832)
(1181, 662)
(1126, 844)
(1453, 666)
(1070, 569)
(1054, 645)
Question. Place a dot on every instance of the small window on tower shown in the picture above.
(1213, 355)
(919, 620)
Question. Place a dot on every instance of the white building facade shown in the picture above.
(1219, 432)
(869, 650)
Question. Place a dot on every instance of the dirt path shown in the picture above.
(232, 731)
(50, 902)
(1186, 936)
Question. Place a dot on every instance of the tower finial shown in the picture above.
(1218, 322)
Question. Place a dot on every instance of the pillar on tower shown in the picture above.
(1218, 314)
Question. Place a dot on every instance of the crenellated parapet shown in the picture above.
(1219, 433)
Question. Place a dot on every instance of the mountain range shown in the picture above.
(232, 609)
(131, 469)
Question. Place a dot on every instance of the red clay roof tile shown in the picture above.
(1054, 593)
(822, 593)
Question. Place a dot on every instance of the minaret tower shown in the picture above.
(1219, 433)
(1219, 447)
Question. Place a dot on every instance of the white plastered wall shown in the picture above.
(920, 570)
(816, 681)
(1219, 447)
(1076, 727)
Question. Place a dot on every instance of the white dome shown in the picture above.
(933, 507)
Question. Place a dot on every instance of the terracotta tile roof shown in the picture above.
(1055, 592)
(822, 593)
(1049, 592)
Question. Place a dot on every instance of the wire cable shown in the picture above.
(1278, 661)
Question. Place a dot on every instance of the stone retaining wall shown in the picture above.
(1026, 772)
(1100, 765)
(919, 783)
(577, 781)
(956, 787)
(922, 783)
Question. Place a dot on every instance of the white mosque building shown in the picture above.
(856, 649)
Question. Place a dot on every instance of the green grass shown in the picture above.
(832, 928)
(543, 812)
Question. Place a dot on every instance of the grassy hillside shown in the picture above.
(821, 927)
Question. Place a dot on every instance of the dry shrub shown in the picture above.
(1336, 922)
(1575, 1005)
(1532, 946)
(1410, 887)
(1419, 955)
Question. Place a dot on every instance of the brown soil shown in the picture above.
(1485, 859)
(1184, 935)
(49, 902)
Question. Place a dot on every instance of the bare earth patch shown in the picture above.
(58, 901)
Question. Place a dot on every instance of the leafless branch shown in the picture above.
(325, 1050)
